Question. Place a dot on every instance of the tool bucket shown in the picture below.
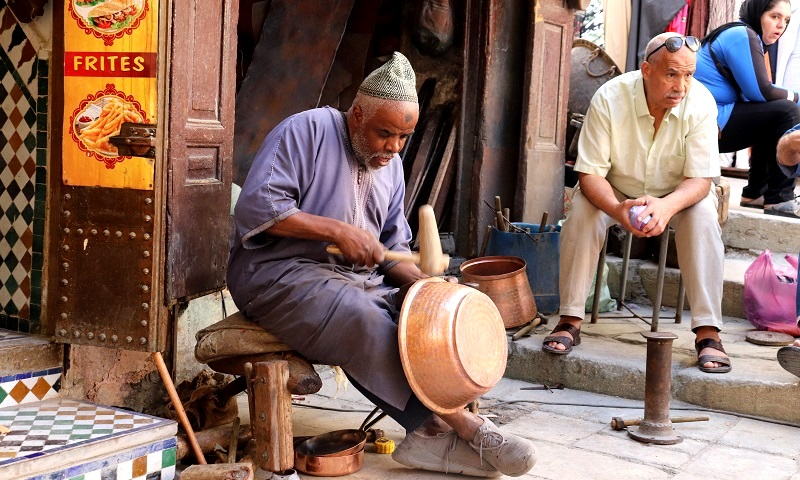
(540, 252)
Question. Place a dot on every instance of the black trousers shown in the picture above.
(759, 125)
(409, 418)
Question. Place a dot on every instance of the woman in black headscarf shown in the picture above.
(737, 64)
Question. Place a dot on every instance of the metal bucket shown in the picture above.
(540, 252)
(505, 281)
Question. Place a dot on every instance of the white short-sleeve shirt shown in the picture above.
(617, 139)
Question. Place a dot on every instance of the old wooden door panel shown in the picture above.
(498, 125)
(287, 74)
(199, 145)
(102, 292)
(545, 96)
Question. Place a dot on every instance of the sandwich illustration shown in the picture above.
(110, 15)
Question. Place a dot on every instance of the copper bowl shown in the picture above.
(452, 343)
(505, 281)
(331, 454)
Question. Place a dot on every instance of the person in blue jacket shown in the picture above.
(737, 63)
(789, 162)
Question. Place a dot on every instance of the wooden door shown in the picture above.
(199, 145)
(131, 235)
(546, 90)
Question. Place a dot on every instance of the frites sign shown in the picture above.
(110, 66)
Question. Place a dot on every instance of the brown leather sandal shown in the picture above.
(702, 359)
(566, 341)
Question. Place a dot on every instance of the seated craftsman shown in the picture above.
(325, 177)
(649, 139)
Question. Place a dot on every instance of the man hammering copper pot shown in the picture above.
(321, 178)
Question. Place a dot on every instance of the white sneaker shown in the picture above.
(444, 452)
(508, 453)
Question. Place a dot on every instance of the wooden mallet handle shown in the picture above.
(176, 402)
(390, 255)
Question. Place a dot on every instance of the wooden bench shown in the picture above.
(270, 371)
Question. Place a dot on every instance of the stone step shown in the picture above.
(754, 230)
(642, 275)
(30, 368)
(611, 360)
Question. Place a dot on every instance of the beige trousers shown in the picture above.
(698, 238)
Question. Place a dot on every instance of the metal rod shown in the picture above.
(681, 298)
(601, 261)
(619, 423)
(662, 264)
(656, 426)
(623, 281)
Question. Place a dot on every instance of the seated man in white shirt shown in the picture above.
(649, 139)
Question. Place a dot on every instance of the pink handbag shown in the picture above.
(770, 294)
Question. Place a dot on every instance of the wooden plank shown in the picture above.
(426, 146)
(434, 160)
(444, 178)
(288, 72)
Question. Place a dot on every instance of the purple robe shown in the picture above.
(329, 311)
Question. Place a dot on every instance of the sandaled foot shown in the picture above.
(562, 344)
(752, 202)
(789, 358)
(711, 356)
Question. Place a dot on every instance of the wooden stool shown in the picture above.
(722, 190)
(270, 372)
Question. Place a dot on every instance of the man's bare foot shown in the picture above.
(575, 322)
(709, 332)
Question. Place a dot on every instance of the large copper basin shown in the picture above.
(452, 343)
(505, 281)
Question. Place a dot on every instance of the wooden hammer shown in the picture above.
(430, 258)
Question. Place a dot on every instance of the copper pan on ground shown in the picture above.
(331, 454)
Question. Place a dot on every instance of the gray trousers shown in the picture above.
(698, 238)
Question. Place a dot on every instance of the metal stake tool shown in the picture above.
(656, 427)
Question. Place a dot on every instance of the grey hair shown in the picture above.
(370, 105)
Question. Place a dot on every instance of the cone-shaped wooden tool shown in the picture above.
(431, 259)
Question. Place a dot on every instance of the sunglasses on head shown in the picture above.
(673, 44)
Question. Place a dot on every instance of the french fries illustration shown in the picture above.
(96, 134)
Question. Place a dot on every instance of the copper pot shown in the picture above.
(331, 454)
(505, 281)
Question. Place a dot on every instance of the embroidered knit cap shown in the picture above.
(394, 80)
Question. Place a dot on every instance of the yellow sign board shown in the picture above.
(110, 65)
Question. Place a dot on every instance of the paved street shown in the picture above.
(576, 442)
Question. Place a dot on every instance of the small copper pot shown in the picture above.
(505, 281)
(331, 454)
